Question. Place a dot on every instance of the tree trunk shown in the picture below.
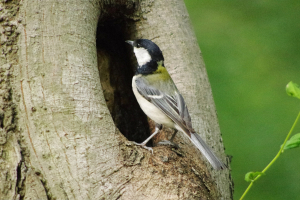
(67, 103)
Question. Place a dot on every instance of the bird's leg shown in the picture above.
(169, 142)
(158, 127)
(173, 136)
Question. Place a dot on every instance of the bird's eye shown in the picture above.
(138, 45)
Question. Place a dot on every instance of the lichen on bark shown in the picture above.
(10, 150)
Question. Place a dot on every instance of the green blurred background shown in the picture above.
(251, 50)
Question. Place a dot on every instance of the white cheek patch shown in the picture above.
(141, 55)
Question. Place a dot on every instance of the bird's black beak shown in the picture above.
(129, 42)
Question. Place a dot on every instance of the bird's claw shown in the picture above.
(167, 142)
(144, 146)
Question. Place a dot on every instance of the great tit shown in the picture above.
(160, 99)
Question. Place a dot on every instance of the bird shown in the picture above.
(159, 98)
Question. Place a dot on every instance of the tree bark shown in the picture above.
(64, 98)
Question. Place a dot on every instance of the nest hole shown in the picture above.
(116, 67)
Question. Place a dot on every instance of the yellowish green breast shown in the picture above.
(161, 80)
(160, 74)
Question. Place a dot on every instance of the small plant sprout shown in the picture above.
(292, 89)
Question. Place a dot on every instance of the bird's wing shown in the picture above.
(168, 100)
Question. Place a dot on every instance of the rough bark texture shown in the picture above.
(58, 135)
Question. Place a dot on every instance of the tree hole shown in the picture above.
(116, 67)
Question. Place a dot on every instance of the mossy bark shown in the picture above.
(64, 97)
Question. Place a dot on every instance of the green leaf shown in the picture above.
(250, 176)
(293, 89)
(293, 142)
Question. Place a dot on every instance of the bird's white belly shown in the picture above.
(151, 110)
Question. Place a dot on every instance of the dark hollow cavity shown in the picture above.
(116, 67)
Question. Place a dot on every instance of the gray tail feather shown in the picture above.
(207, 152)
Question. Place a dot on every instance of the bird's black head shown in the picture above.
(147, 53)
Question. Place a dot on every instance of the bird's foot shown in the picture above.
(144, 146)
(169, 143)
